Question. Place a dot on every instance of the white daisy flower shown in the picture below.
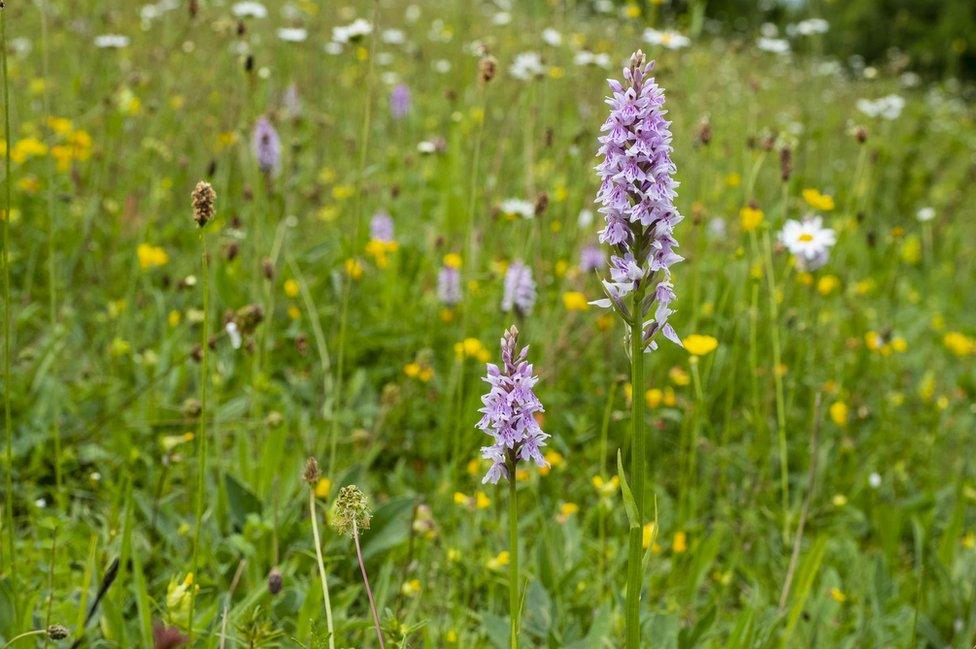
(809, 242)
(888, 107)
(233, 334)
(353, 31)
(111, 41)
(249, 9)
(669, 39)
(925, 214)
(773, 45)
(552, 37)
(293, 34)
(518, 207)
(874, 480)
(526, 66)
(393, 37)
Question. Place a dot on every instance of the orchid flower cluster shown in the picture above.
(636, 198)
(508, 415)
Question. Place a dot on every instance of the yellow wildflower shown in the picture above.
(151, 256)
(839, 413)
(291, 288)
(575, 301)
(699, 345)
(750, 218)
(818, 201)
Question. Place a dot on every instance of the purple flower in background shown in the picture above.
(636, 198)
(519, 290)
(381, 227)
(508, 415)
(266, 146)
(400, 101)
(449, 285)
(591, 258)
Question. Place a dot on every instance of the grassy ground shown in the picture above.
(811, 476)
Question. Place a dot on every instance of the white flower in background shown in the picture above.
(412, 14)
(249, 10)
(669, 39)
(828, 68)
(443, 66)
(526, 66)
(353, 31)
(501, 19)
(888, 107)
(233, 334)
(393, 37)
(809, 242)
(111, 41)
(585, 219)
(292, 34)
(586, 57)
(333, 48)
(808, 27)
(384, 58)
(717, 228)
(517, 207)
(603, 6)
(21, 46)
(874, 480)
(925, 214)
(390, 78)
(910, 79)
(552, 37)
(769, 30)
(773, 45)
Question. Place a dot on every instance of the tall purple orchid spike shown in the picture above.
(508, 415)
(266, 146)
(636, 198)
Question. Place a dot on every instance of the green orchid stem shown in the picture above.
(637, 454)
(513, 578)
(8, 509)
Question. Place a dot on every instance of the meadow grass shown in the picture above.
(809, 481)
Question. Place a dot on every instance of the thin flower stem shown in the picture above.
(7, 304)
(347, 284)
(52, 278)
(369, 591)
(778, 380)
(321, 564)
(26, 634)
(202, 425)
(513, 577)
(637, 455)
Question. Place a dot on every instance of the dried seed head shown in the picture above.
(351, 511)
(204, 197)
(274, 581)
(785, 163)
(487, 68)
(311, 475)
(705, 131)
(55, 631)
(248, 318)
(267, 268)
(861, 135)
(541, 203)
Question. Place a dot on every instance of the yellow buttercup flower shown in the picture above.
(354, 268)
(323, 487)
(679, 376)
(818, 201)
(291, 288)
(680, 543)
(575, 301)
(452, 260)
(750, 218)
(839, 413)
(151, 256)
(959, 344)
(827, 284)
(699, 345)
(500, 561)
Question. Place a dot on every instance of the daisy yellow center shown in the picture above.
(806, 237)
